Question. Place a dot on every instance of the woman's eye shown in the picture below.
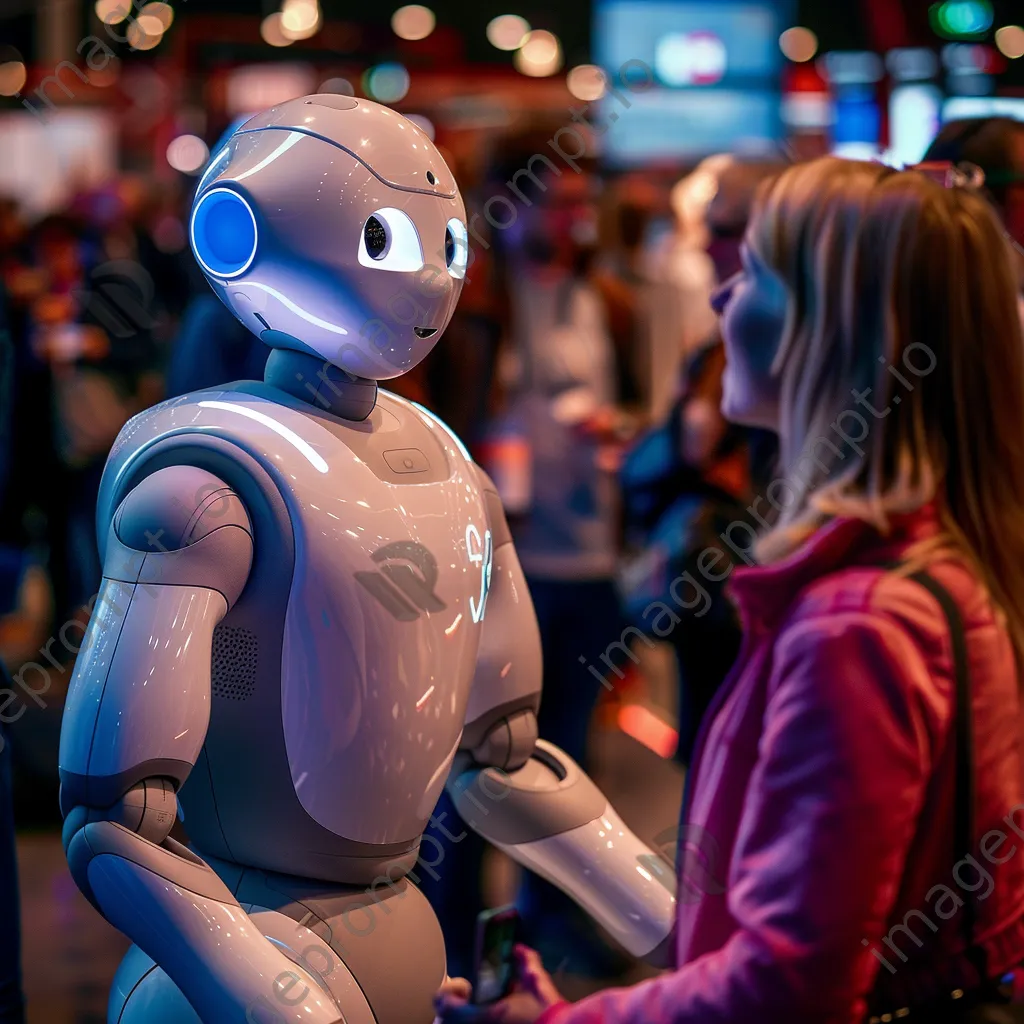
(390, 241)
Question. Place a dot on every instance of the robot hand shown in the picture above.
(528, 797)
(550, 817)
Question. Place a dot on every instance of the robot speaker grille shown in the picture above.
(235, 655)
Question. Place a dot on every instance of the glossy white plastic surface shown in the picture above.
(188, 935)
(313, 176)
(97, 648)
(384, 140)
(141, 689)
(605, 868)
(372, 707)
(510, 664)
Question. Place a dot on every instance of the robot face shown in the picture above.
(332, 225)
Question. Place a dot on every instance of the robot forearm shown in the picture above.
(179, 912)
(137, 716)
(135, 720)
(551, 818)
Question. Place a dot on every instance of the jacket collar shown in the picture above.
(764, 593)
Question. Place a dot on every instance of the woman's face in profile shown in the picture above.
(752, 308)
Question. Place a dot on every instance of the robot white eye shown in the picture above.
(456, 248)
(390, 241)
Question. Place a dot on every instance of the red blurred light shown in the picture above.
(645, 727)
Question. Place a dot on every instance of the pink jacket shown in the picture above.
(820, 806)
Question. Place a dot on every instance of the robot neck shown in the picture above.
(321, 383)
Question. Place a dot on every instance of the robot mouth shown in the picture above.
(425, 332)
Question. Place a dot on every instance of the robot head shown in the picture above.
(332, 225)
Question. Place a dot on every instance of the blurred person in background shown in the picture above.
(681, 277)
(689, 480)
(92, 332)
(460, 374)
(12, 1003)
(25, 606)
(867, 747)
(565, 401)
(12, 1008)
(996, 145)
(29, 384)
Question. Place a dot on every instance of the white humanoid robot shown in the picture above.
(312, 617)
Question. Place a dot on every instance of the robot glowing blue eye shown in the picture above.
(389, 241)
(456, 247)
(223, 231)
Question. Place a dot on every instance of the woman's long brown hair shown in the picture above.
(902, 295)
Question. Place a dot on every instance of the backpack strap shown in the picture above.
(963, 827)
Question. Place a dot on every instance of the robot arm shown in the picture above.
(178, 556)
(529, 798)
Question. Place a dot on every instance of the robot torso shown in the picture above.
(340, 679)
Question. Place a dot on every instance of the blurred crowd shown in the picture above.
(583, 368)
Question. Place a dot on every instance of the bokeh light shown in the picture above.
(340, 86)
(508, 31)
(961, 18)
(300, 19)
(540, 55)
(414, 21)
(272, 32)
(12, 77)
(113, 12)
(424, 124)
(587, 82)
(798, 44)
(161, 11)
(145, 32)
(187, 153)
(386, 83)
(1010, 41)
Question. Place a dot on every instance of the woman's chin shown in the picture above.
(735, 410)
(743, 413)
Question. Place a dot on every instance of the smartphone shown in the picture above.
(497, 932)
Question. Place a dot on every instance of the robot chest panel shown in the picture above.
(381, 636)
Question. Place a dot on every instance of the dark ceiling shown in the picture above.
(839, 24)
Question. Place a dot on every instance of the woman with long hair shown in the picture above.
(852, 846)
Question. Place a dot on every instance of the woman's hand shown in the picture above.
(534, 992)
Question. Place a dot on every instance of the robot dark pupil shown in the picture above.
(376, 238)
(449, 246)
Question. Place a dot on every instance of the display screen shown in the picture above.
(960, 107)
(913, 121)
(496, 941)
(699, 77)
(858, 117)
(741, 40)
(663, 125)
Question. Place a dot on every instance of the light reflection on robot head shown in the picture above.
(332, 225)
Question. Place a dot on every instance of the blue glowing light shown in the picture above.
(224, 234)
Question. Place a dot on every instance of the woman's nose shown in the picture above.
(721, 295)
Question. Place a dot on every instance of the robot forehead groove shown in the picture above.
(352, 153)
(393, 148)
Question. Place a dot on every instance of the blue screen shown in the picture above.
(631, 30)
(714, 69)
(689, 124)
